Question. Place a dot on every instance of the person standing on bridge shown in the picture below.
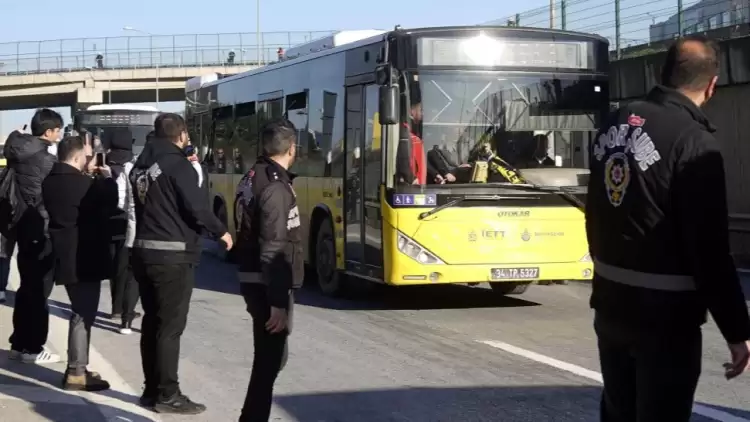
(170, 211)
(657, 226)
(271, 262)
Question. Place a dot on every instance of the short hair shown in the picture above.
(169, 126)
(691, 63)
(277, 137)
(45, 119)
(69, 146)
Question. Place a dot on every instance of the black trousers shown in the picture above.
(165, 297)
(649, 375)
(84, 303)
(123, 287)
(270, 354)
(30, 312)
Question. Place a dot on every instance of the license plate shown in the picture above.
(515, 273)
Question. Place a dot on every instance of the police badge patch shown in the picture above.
(616, 177)
(142, 184)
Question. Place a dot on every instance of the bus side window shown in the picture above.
(296, 110)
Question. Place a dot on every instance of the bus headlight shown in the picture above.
(586, 258)
(415, 251)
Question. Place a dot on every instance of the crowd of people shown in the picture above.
(84, 215)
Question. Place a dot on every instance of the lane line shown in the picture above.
(698, 409)
(118, 404)
(34, 394)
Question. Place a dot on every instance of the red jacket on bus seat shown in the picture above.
(417, 161)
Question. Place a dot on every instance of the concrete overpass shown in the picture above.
(67, 72)
(95, 86)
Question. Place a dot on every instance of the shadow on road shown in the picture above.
(52, 403)
(476, 404)
(216, 275)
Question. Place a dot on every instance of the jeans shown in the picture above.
(4, 273)
(123, 287)
(30, 312)
(270, 353)
(84, 304)
(649, 376)
(165, 297)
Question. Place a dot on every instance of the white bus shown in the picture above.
(107, 119)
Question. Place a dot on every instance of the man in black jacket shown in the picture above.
(170, 211)
(28, 155)
(270, 252)
(657, 225)
(79, 207)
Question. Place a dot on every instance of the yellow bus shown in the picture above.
(501, 119)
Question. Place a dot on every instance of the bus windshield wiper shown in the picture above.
(551, 189)
(459, 200)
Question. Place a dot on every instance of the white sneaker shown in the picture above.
(126, 331)
(42, 358)
(2, 297)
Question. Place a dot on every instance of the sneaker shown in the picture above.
(126, 328)
(179, 404)
(147, 401)
(44, 357)
(90, 381)
(15, 355)
(2, 297)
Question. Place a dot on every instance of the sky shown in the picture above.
(89, 19)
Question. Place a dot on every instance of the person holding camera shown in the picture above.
(78, 207)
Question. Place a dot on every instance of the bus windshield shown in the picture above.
(105, 123)
(512, 121)
(137, 133)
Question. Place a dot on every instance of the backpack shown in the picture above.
(12, 205)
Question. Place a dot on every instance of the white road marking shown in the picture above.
(112, 404)
(41, 394)
(698, 409)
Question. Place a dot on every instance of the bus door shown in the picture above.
(362, 221)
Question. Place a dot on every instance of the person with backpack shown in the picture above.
(123, 287)
(30, 163)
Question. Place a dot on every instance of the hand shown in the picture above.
(450, 178)
(227, 239)
(91, 165)
(104, 170)
(439, 179)
(465, 165)
(415, 182)
(278, 320)
(740, 353)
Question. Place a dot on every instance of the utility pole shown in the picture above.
(257, 29)
(552, 14)
(563, 23)
(679, 18)
(617, 28)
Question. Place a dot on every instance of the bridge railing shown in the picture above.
(147, 51)
(637, 27)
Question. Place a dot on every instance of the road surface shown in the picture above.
(432, 354)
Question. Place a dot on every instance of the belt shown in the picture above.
(666, 282)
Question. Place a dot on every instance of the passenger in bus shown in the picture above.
(539, 156)
(443, 166)
(412, 168)
(221, 161)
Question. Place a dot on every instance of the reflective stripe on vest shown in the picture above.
(667, 282)
(160, 245)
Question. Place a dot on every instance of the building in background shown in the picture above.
(703, 16)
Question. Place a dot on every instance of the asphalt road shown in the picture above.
(449, 353)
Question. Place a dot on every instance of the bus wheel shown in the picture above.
(329, 278)
(510, 288)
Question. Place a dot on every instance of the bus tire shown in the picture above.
(329, 278)
(510, 288)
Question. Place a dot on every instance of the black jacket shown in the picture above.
(170, 208)
(28, 155)
(269, 241)
(79, 207)
(657, 220)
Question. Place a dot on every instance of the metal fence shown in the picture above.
(632, 24)
(147, 51)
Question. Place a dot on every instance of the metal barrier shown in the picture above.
(147, 51)
(634, 25)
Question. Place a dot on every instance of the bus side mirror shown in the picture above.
(388, 105)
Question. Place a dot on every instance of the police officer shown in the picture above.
(270, 250)
(657, 225)
(170, 211)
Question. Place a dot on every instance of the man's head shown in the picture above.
(692, 67)
(74, 150)
(279, 141)
(416, 112)
(172, 127)
(47, 124)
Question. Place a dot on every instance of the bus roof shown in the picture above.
(351, 41)
(122, 107)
